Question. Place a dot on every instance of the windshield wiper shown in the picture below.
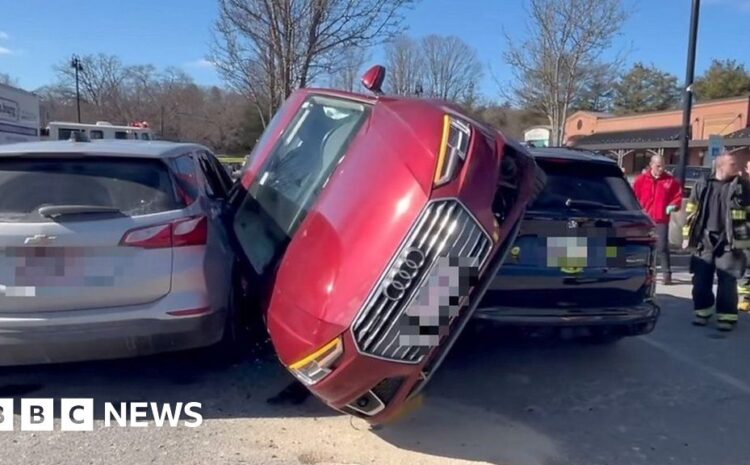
(571, 203)
(54, 211)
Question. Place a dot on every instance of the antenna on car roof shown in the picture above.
(373, 79)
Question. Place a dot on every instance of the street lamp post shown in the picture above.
(685, 136)
(75, 63)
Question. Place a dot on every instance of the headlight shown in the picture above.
(316, 366)
(453, 149)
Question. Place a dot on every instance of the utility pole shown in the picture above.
(75, 63)
(686, 134)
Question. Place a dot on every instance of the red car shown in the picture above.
(376, 223)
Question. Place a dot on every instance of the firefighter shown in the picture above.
(744, 286)
(718, 231)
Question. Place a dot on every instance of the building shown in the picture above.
(538, 136)
(633, 139)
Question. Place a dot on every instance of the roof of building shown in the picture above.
(700, 104)
(639, 135)
(741, 134)
(106, 147)
(567, 153)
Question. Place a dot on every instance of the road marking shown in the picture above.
(726, 378)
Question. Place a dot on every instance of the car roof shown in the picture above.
(566, 153)
(102, 147)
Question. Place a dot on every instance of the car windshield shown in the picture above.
(294, 174)
(102, 185)
(584, 186)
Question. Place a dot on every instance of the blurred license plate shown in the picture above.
(567, 252)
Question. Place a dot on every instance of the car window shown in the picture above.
(294, 174)
(214, 183)
(132, 186)
(96, 134)
(186, 176)
(584, 183)
(224, 172)
(121, 135)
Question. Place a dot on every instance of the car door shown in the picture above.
(220, 256)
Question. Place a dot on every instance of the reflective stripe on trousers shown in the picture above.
(705, 312)
(727, 317)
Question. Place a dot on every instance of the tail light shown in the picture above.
(179, 233)
(192, 231)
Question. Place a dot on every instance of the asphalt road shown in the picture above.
(680, 395)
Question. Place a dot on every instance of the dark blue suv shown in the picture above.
(585, 255)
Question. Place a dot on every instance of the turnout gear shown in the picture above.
(717, 229)
(743, 291)
(735, 198)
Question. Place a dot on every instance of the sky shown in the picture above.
(37, 34)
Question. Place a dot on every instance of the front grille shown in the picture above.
(425, 286)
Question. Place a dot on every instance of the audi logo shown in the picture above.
(401, 278)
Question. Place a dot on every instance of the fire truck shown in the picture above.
(59, 130)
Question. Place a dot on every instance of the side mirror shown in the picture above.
(373, 79)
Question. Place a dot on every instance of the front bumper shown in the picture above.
(358, 377)
(55, 341)
(640, 318)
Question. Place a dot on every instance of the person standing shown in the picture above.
(718, 230)
(743, 288)
(660, 194)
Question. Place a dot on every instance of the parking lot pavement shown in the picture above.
(680, 395)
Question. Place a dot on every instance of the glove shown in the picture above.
(671, 209)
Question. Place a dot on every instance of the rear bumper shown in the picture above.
(644, 314)
(51, 341)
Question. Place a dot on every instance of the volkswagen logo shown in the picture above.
(573, 224)
(404, 273)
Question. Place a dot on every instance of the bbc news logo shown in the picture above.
(78, 415)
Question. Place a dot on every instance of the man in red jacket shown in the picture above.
(660, 194)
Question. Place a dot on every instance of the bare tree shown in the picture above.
(101, 78)
(267, 48)
(405, 67)
(565, 39)
(7, 80)
(176, 107)
(351, 63)
(452, 69)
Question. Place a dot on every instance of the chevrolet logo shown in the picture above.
(39, 239)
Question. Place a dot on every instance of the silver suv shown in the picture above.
(111, 249)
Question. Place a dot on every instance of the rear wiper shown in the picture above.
(570, 203)
(54, 211)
